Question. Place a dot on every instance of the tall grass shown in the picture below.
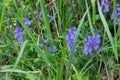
(33, 59)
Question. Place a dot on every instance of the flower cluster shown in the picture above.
(70, 37)
(117, 13)
(52, 49)
(39, 16)
(27, 21)
(92, 43)
(44, 43)
(104, 5)
(18, 34)
(51, 17)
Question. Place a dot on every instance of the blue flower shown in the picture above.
(104, 5)
(117, 13)
(51, 17)
(43, 43)
(92, 43)
(70, 38)
(39, 16)
(52, 49)
(18, 34)
(27, 21)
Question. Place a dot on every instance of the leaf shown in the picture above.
(29, 77)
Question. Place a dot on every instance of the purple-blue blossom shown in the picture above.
(117, 13)
(70, 38)
(104, 5)
(43, 43)
(27, 21)
(39, 16)
(92, 43)
(51, 17)
(52, 49)
(18, 34)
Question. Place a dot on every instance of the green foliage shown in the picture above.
(50, 22)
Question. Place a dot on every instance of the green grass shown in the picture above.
(33, 59)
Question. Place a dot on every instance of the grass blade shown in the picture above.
(108, 31)
(89, 19)
(46, 19)
(93, 10)
(20, 53)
